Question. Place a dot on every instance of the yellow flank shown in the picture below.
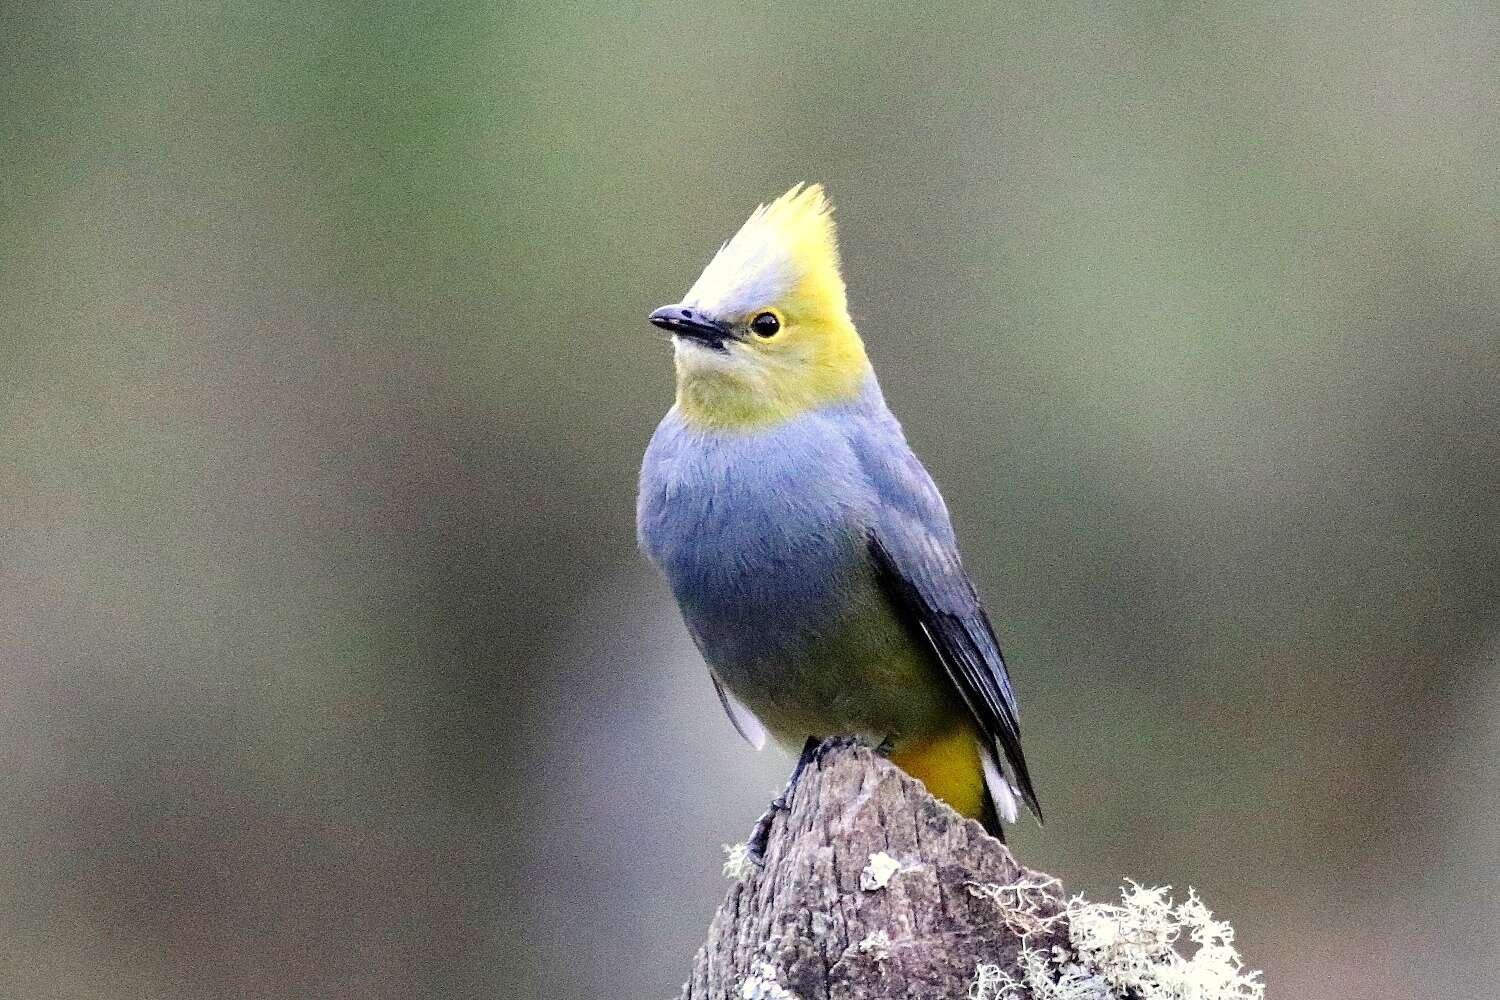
(949, 765)
(815, 359)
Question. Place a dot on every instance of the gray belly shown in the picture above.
(844, 664)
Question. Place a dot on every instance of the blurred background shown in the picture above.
(330, 667)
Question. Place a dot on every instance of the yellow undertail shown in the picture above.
(949, 765)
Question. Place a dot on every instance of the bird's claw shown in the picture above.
(760, 834)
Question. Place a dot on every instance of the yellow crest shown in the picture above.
(787, 246)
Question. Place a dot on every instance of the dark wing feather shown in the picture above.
(922, 571)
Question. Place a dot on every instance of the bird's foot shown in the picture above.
(813, 749)
(760, 834)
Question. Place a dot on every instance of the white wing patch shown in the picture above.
(744, 721)
(1007, 798)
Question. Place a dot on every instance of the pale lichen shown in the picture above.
(762, 984)
(877, 945)
(1125, 950)
(738, 862)
(1028, 905)
(988, 981)
(879, 872)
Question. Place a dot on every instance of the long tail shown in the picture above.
(990, 819)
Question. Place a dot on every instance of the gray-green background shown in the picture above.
(327, 663)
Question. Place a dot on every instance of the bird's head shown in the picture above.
(765, 334)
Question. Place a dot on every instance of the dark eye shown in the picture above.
(765, 324)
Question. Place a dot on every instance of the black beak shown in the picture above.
(691, 323)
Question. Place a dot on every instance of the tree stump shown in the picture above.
(872, 888)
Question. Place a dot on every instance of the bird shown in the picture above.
(809, 551)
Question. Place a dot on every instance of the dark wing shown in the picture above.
(921, 569)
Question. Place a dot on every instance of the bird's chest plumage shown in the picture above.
(756, 524)
(762, 537)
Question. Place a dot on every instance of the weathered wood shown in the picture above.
(812, 924)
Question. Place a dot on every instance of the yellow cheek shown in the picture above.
(801, 369)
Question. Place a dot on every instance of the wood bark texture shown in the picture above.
(812, 924)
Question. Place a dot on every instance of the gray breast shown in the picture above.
(759, 534)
